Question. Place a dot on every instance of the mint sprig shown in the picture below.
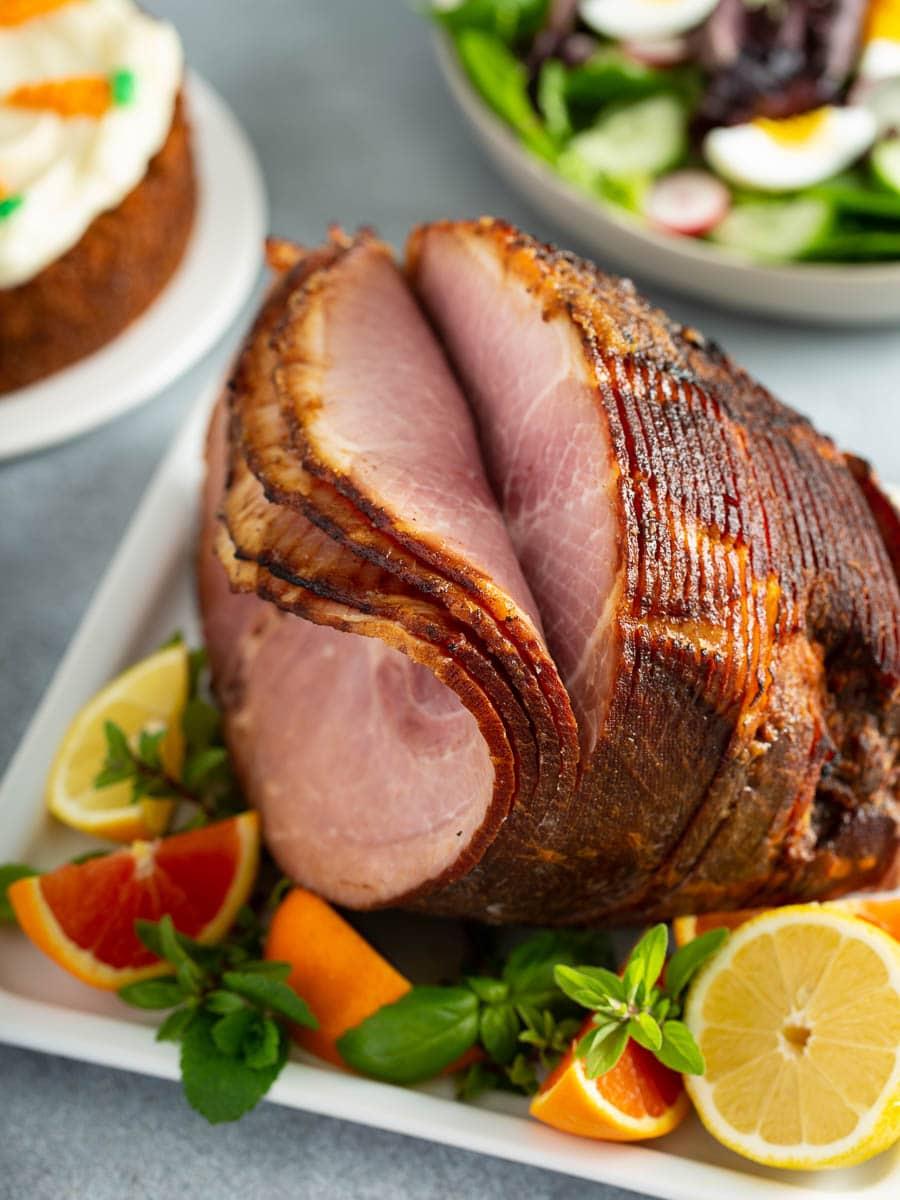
(230, 1013)
(639, 1004)
(207, 782)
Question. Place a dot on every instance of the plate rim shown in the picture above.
(49, 411)
(424, 1112)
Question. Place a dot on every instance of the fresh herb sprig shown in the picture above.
(638, 1004)
(230, 1011)
(206, 781)
(519, 1018)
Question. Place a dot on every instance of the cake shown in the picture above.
(97, 188)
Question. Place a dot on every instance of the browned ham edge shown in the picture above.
(652, 666)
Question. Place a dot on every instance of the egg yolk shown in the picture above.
(883, 21)
(793, 131)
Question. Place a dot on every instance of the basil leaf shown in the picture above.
(679, 1050)
(415, 1037)
(685, 963)
(9, 874)
(499, 1032)
(491, 991)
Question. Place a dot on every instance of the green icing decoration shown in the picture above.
(122, 85)
(9, 204)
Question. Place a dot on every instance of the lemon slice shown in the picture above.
(798, 1018)
(149, 696)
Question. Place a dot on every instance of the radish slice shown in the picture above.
(657, 52)
(687, 202)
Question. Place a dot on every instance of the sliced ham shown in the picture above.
(524, 603)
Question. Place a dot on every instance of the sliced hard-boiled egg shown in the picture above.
(642, 19)
(781, 155)
(881, 41)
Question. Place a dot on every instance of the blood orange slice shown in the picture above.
(639, 1098)
(83, 915)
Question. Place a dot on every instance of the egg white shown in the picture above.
(639, 19)
(749, 156)
(880, 59)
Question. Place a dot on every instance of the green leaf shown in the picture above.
(9, 873)
(645, 1031)
(510, 20)
(551, 98)
(499, 1032)
(590, 986)
(271, 970)
(522, 1076)
(491, 991)
(604, 1050)
(271, 993)
(475, 1080)
(222, 1002)
(202, 765)
(229, 1031)
(645, 963)
(153, 993)
(502, 81)
(262, 1043)
(414, 1038)
(197, 663)
(201, 723)
(161, 938)
(679, 1050)
(529, 969)
(175, 1024)
(219, 1087)
(685, 963)
(150, 748)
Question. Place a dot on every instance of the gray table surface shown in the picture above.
(351, 123)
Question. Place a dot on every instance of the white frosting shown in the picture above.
(68, 170)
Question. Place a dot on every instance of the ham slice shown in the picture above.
(524, 603)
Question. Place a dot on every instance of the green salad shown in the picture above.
(770, 128)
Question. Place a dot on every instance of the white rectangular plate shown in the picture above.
(147, 593)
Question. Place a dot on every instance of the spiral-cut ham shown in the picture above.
(524, 603)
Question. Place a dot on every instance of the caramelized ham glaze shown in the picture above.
(524, 603)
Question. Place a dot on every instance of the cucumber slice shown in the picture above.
(886, 164)
(775, 231)
(646, 137)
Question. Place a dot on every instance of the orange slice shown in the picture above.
(639, 1098)
(17, 12)
(337, 972)
(83, 915)
(883, 911)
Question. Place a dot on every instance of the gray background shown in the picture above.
(351, 123)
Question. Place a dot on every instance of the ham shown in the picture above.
(524, 603)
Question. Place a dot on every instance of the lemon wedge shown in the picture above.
(149, 696)
(798, 1018)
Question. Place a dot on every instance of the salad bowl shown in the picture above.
(858, 294)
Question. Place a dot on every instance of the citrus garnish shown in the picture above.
(883, 911)
(82, 915)
(798, 1018)
(147, 698)
(638, 1098)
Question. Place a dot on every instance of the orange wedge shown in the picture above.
(339, 975)
(17, 12)
(82, 916)
(639, 1098)
(883, 911)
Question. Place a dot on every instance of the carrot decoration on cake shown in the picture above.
(76, 96)
(17, 12)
